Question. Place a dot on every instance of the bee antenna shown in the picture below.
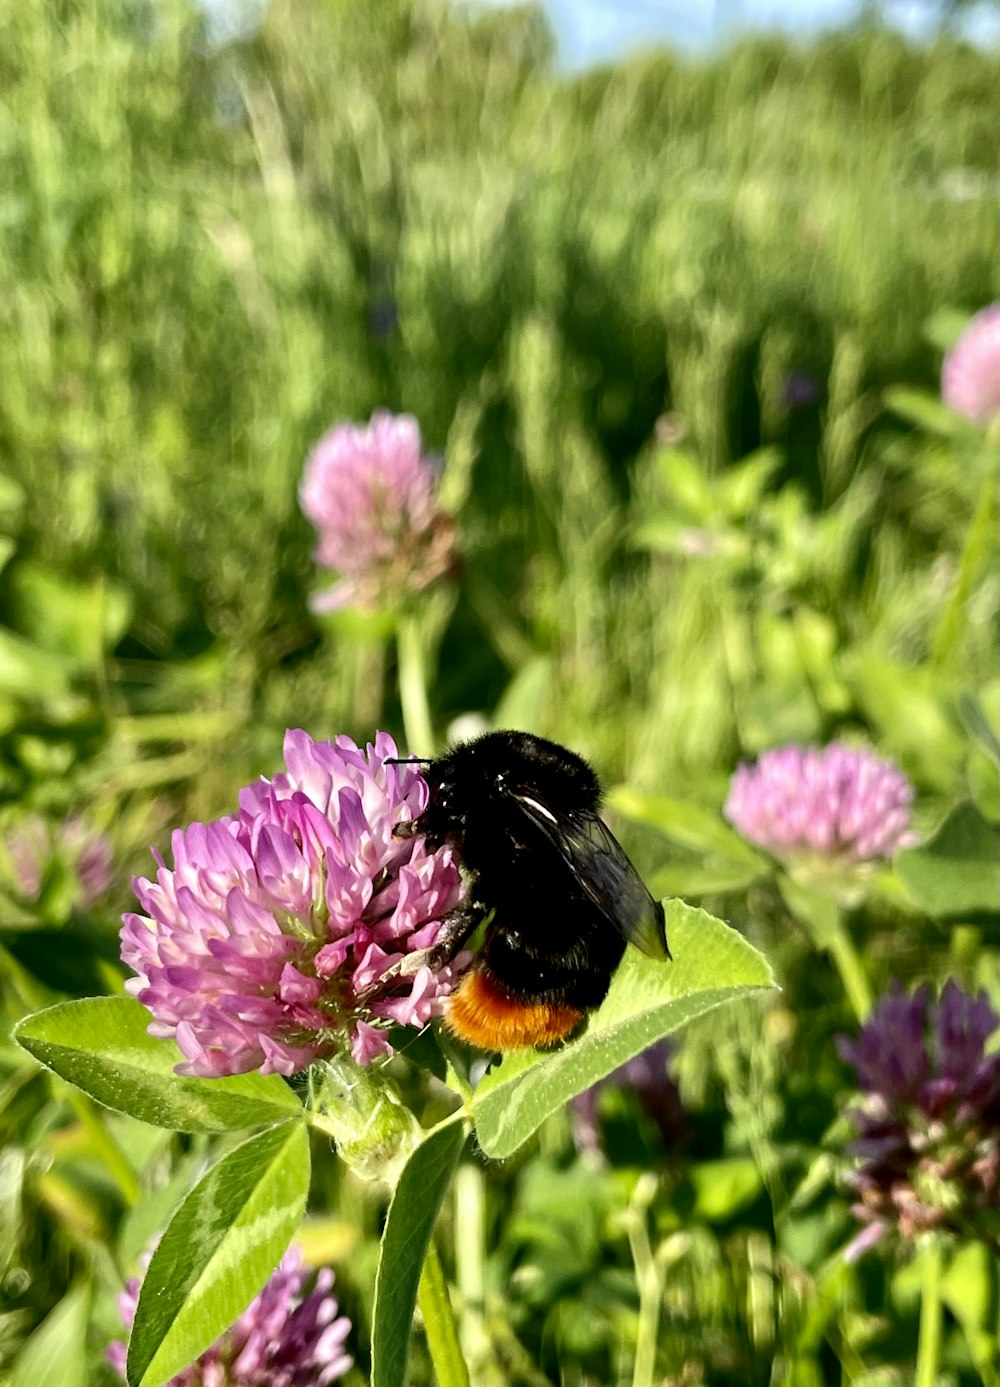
(407, 760)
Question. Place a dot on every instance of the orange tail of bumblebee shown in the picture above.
(484, 1014)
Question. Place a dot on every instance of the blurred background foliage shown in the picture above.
(676, 327)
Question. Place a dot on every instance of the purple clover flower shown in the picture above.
(970, 375)
(929, 1124)
(296, 926)
(833, 802)
(282, 1339)
(646, 1075)
(34, 844)
(370, 492)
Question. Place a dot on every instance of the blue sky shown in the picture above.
(591, 31)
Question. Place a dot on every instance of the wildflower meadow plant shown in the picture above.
(370, 492)
(836, 803)
(928, 1125)
(286, 1337)
(34, 846)
(970, 374)
(295, 927)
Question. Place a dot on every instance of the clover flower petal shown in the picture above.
(33, 845)
(370, 492)
(970, 374)
(284, 1338)
(836, 802)
(284, 931)
(928, 1125)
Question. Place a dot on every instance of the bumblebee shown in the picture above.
(559, 896)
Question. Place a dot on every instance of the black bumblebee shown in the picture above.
(522, 814)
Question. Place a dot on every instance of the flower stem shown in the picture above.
(413, 687)
(649, 1275)
(975, 556)
(439, 1323)
(929, 1341)
(851, 970)
(470, 1261)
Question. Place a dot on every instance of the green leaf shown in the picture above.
(818, 914)
(709, 877)
(689, 824)
(101, 1045)
(724, 1187)
(976, 723)
(405, 1239)
(148, 1218)
(30, 672)
(957, 873)
(741, 487)
(944, 327)
(218, 1250)
(688, 488)
(74, 619)
(969, 1288)
(927, 412)
(55, 1355)
(648, 1000)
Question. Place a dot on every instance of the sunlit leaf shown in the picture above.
(405, 1239)
(689, 824)
(55, 1355)
(101, 1045)
(958, 872)
(218, 1250)
(649, 999)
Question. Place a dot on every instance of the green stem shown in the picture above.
(413, 688)
(439, 1324)
(929, 1341)
(851, 970)
(470, 1257)
(975, 555)
(650, 1277)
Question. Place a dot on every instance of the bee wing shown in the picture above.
(604, 873)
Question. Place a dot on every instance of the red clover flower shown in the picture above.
(659, 1097)
(296, 927)
(34, 845)
(370, 492)
(282, 1339)
(970, 375)
(928, 1125)
(834, 803)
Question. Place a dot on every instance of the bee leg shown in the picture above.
(453, 933)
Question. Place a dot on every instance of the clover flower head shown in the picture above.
(970, 374)
(834, 802)
(34, 844)
(284, 1338)
(297, 926)
(370, 492)
(646, 1075)
(928, 1143)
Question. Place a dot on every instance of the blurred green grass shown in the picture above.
(210, 251)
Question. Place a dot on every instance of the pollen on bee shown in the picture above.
(486, 1014)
